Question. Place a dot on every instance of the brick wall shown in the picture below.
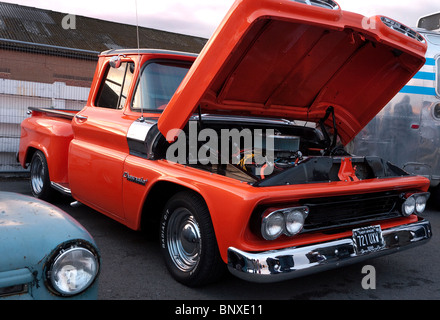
(37, 80)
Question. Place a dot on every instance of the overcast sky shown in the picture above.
(201, 17)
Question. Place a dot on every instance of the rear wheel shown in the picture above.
(40, 181)
(188, 241)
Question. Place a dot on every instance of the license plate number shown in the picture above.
(368, 239)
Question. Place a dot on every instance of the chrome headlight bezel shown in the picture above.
(79, 260)
(272, 225)
(288, 221)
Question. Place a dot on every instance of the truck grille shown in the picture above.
(343, 211)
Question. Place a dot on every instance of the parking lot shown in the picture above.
(132, 268)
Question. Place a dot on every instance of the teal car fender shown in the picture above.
(44, 252)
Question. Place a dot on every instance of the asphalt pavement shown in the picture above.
(132, 268)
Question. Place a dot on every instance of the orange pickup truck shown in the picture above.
(235, 157)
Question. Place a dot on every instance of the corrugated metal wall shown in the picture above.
(28, 80)
(16, 97)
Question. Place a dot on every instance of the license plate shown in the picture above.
(368, 239)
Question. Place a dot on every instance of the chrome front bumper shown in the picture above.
(284, 264)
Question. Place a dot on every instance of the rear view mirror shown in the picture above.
(115, 62)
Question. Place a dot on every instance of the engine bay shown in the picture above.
(281, 152)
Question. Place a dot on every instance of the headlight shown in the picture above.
(421, 201)
(295, 220)
(415, 203)
(409, 206)
(273, 225)
(72, 270)
(288, 221)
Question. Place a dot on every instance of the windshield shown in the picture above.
(159, 81)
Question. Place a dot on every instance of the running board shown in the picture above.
(61, 189)
(67, 192)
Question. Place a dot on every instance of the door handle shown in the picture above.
(80, 117)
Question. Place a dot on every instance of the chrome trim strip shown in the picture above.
(147, 51)
(141, 137)
(138, 130)
(60, 188)
(241, 119)
(326, 4)
(289, 263)
(53, 112)
(399, 27)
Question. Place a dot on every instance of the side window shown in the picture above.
(158, 82)
(114, 89)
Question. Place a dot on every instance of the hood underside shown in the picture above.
(286, 59)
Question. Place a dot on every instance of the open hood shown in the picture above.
(295, 59)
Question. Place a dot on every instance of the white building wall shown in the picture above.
(15, 99)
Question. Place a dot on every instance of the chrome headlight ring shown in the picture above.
(72, 268)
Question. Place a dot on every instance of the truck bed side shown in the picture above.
(50, 131)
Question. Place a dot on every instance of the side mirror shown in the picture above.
(115, 62)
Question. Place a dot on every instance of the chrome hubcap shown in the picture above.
(183, 239)
(37, 174)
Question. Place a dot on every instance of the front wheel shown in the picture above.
(188, 241)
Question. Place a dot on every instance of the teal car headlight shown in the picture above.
(72, 269)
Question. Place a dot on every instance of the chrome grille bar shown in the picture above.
(392, 24)
(327, 4)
